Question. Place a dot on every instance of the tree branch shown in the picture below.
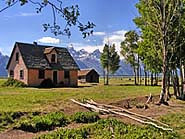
(8, 6)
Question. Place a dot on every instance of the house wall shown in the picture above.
(92, 78)
(74, 78)
(16, 66)
(61, 77)
(33, 78)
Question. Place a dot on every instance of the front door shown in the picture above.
(55, 77)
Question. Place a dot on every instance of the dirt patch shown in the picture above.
(132, 102)
(17, 134)
(153, 111)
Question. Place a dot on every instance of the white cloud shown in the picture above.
(6, 17)
(28, 14)
(113, 38)
(99, 33)
(86, 47)
(90, 48)
(49, 40)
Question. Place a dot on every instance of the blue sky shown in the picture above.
(112, 18)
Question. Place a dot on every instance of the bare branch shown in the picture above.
(12, 4)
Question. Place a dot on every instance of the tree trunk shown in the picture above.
(145, 78)
(148, 78)
(182, 80)
(135, 82)
(104, 76)
(107, 81)
(138, 74)
(152, 79)
(156, 80)
(177, 82)
(168, 96)
(174, 83)
(164, 46)
(164, 71)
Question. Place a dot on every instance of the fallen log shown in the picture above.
(118, 109)
(94, 107)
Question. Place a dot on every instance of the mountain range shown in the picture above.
(87, 60)
(84, 59)
(3, 62)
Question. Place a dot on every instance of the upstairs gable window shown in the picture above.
(53, 58)
(17, 57)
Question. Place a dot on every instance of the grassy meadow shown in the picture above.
(31, 99)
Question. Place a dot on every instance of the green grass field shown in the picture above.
(35, 99)
(30, 99)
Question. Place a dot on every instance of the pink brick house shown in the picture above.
(32, 63)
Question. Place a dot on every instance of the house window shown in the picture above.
(11, 73)
(41, 74)
(21, 74)
(17, 56)
(66, 74)
(53, 57)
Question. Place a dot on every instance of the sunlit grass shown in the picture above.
(29, 99)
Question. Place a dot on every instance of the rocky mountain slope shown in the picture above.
(3, 62)
(92, 60)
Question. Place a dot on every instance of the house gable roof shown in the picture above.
(34, 57)
(85, 72)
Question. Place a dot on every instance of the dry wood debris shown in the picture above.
(109, 109)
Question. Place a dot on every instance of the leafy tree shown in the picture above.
(129, 49)
(159, 22)
(110, 60)
(70, 14)
(151, 58)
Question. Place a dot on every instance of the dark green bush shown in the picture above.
(66, 134)
(43, 122)
(13, 83)
(108, 129)
(85, 117)
(8, 118)
(47, 83)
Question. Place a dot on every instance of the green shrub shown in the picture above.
(8, 118)
(66, 134)
(47, 83)
(85, 117)
(43, 122)
(13, 83)
(108, 129)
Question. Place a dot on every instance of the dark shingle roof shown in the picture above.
(34, 57)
